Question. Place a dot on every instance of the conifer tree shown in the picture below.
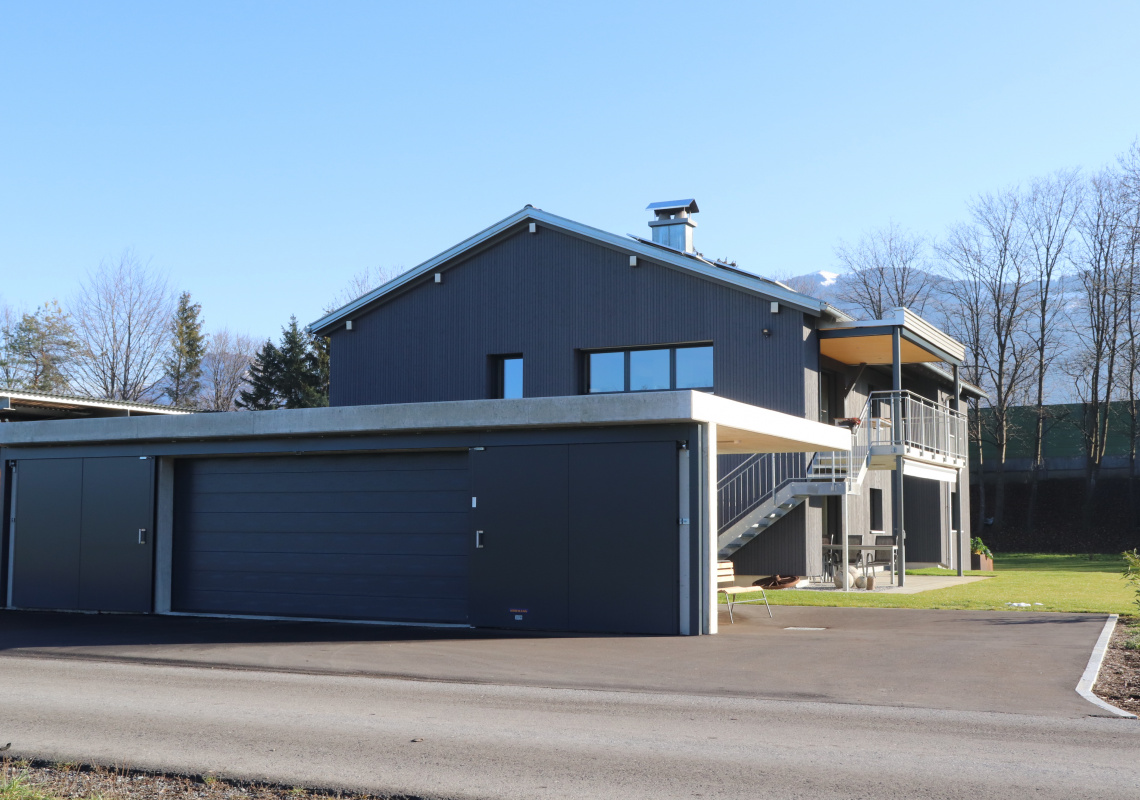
(183, 366)
(293, 374)
(41, 347)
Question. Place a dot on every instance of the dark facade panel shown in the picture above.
(550, 296)
(116, 565)
(624, 542)
(783, 548)
(49, 516)
(925, 514)
(349, 535)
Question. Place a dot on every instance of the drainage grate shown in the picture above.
(805, 629)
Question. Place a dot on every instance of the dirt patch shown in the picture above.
(26, 780)
(1119, 679)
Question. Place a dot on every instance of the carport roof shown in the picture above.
(741, 428)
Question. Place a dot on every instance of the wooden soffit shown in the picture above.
(874, 349)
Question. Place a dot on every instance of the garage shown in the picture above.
(582, 514)
(371, 536)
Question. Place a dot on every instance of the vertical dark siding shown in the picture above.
(549, 296)
(924, 516)
(780, 549)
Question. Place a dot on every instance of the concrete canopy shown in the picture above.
(741, 428)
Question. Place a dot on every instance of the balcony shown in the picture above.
(916, 428)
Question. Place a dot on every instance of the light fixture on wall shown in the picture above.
(767, 333)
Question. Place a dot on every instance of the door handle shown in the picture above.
(478, 540)
(142, 535)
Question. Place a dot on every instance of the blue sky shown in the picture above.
(263, 153)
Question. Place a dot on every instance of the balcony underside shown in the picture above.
(917, 462)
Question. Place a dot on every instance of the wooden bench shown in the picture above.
(726, 573)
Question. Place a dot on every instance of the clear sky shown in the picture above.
(262, 153)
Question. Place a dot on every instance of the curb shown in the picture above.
(1088, 680)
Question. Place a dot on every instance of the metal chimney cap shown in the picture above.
(689, 205)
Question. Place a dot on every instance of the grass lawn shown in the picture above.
(1060, 583)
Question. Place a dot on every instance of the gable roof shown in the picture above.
(667, 256)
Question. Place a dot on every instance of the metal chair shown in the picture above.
(855, 554)
(883, 558)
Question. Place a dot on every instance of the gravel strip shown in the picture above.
(1119, 679)
(121, 783)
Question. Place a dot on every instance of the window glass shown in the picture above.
(694, 367)
(607, 372)
(648, 370)
(512, 377)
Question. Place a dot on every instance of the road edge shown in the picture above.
(1088, 679)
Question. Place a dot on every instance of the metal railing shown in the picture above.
(910, 420)
(754, 481)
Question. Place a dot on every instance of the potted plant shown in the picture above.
(980, 556)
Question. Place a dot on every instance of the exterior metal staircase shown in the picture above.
(765, 487)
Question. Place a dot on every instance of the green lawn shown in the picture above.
(1059, 583)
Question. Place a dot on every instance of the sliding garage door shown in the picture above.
(381, 537)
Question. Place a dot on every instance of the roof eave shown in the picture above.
(676, 259)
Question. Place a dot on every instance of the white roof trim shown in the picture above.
(683, 261)
(72, 401)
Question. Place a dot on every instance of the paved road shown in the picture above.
(883, 704)
(525, 742)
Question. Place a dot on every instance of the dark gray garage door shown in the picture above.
(353, 536)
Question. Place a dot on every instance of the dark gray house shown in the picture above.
(541, 306)
(547, 427)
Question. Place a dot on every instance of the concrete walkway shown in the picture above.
(914, 584)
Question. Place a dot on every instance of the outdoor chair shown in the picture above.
(855, 554)
(883, 558)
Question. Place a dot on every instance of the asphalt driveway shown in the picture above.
(1016, 662)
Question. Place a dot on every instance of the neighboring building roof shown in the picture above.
(676, 259)
(18, 404)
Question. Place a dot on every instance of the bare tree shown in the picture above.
(1130, 185)
(9, 361)
(1051, 207)
(122, 315)
(1100, 319)
(992, 285)
(225, 369)
(888, 268)
(361, 284)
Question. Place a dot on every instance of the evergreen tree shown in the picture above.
(264, 375)
(293, 374)
(40, 349)
(183, 366)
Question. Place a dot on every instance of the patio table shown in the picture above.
(893, 548)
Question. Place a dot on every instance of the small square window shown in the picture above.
(607, 372)
(648, 370)
(694, 367)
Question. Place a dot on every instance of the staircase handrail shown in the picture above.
(754, 481)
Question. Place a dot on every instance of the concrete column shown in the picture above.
(956, 515)
(685, 529)
(164, 536)
(899, 441)
(711, 526)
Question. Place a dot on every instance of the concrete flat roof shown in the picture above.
(741, 428)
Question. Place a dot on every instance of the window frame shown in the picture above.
(625, 351)
(500, 375)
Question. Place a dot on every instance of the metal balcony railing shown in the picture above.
(755, 480)
(905, 419)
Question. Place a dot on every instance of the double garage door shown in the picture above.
(548, 537)
(579, 537)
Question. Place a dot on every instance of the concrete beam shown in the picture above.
(746, 428)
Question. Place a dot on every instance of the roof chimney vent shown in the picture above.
(672, 226)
